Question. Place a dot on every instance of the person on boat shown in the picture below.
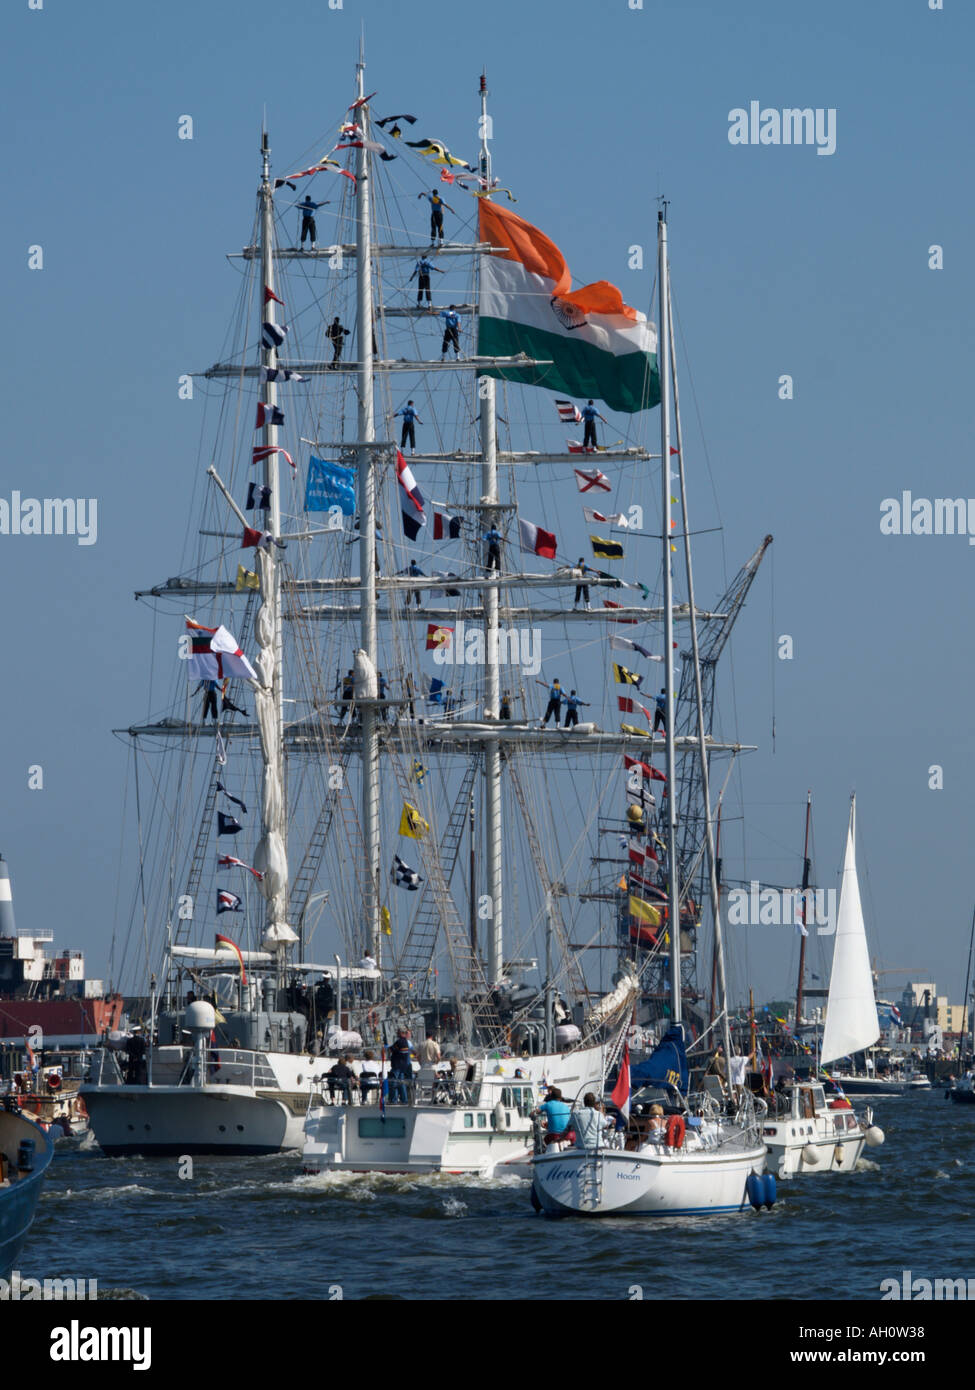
(718, 1067)
(308, 229)
(660, 713)
(401, 1056)
(369, 1078)
(136, 1073)
(341, 1079)
(451, 331)
(492, 539)
(657, 1123)
(505, 711)
(368, 962)
(572, 703)
(590, 1123)
(429, 1051)
(582, 588)
(554, 705)
(336, 335)
(410, 418)
(556, 1114)
(437, 206)
(226, 703)
(590, 415)
(210, 689)
(422, 269)
(414, 572)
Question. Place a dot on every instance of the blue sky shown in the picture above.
(783, 261)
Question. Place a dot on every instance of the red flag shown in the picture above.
(621, 1091)
(438, 636)
(263, 451)
(446, 176)
(226, 941)
(625, 704)
(438, 526)
(608, 603)
(536, 541)
(269, 295)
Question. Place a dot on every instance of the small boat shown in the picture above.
(809, 1134)
(963, 1091)
(26, 1151)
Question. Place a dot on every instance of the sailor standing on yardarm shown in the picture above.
(308, 209)
(410, 418)
(422, 269)
(590, 415)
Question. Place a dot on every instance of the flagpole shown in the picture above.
(490, 597)
(668, 596)
(367, 522)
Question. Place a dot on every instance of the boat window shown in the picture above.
(819, 1098)
(468, 1121)
(372, 1127)
(506, 1096)
(482, 1121)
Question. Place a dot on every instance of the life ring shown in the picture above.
(674, 1131)
(53, 1081)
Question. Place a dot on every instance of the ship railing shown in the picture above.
(399, 1092)
(104, 1069)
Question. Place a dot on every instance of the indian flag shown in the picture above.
(598, 346)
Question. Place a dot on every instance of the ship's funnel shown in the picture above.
(6, 901)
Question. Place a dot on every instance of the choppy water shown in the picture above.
(259, 1228)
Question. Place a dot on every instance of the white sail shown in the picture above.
(851, 1013)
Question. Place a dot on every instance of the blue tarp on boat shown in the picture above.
(667, 1063)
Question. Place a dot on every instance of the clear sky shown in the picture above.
(784, 261)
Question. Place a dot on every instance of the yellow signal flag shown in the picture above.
(632, 729)
(625, 677)
(411, 823)
(246, 579)
(386, 920)
(644, 912)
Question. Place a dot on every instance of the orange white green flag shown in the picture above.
(598, 346)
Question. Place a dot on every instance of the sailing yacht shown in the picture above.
(708, 1156)
(813, 1134)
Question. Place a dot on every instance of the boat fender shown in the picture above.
(874, 1137)
(838, 1153)
(768, 1190)
(809, 1155)
(500, 1118)
(675, 1131)
(755, 1190)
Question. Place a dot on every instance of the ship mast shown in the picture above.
(271, 853)
(492, 689)
(673, 915)
(367, 523)
(802, 909)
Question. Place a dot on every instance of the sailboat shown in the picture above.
(813, 1134)
(704, 1155)
(236, 1042)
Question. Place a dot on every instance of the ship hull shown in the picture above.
(18, 1201)
(158, 1121)
(579, 1182)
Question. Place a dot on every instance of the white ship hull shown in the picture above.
(489, 1130)
(614, 1182)
(824, 1141)
(227, 1116)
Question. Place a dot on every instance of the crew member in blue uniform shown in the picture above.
(660, 713)
(590, 415)
(582, 589)
(308, 229)
(410, 418)
(451, 331)
(422, 269)
(437, 206)
(492, 539)
(554, 705)
(572, 703)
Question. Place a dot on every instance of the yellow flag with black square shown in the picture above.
(246, 579)
(411, 823)
(625, 677)
(608, 550)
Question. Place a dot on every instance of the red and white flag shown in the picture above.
(268, 415)
(223, 651)
(408, 483)
(592, 478)
(263, 451)
(569, 414)
(438, 636)
(537, 541)
(621, 1091)
(613, 519)
(227, 861)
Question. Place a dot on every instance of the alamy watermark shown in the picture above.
(793, 125)
(756, 906)
(908, 515)
(462, 645)
(925, 1290)
(17, 1289)
(50, 516)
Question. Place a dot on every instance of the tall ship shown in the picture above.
(404, 739)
